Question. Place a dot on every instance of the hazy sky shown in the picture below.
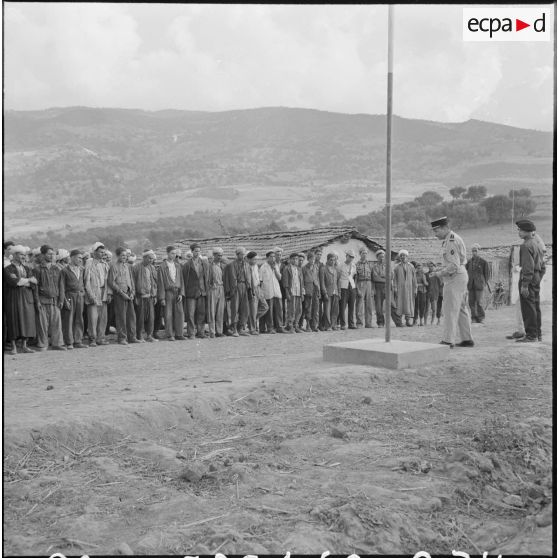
(221, 57)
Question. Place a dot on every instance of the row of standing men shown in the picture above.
(61, 301)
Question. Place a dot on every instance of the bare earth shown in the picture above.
(255, 445)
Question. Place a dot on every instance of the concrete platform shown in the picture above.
(376, 352)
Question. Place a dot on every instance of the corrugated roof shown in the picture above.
(290, 241)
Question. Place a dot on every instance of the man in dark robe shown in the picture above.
(21, 301)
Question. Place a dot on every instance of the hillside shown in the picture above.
(64, 163)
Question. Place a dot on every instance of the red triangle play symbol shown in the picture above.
(519, 25)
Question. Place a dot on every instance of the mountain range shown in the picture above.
(61, 161)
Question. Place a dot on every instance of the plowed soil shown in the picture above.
(256, 445)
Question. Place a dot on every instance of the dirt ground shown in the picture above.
(255, 445)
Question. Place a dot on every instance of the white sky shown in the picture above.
(222, 57)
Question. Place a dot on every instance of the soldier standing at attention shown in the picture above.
(531, 260)
(457, 319)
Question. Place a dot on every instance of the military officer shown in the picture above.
(531, 259)
(457, 318)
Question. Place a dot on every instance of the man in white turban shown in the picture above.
(404, 284)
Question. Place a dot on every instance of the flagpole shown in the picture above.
(388, 175)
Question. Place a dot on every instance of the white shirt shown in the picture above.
(270, 281)
(172, 270)
(255, 275)
(347, 275)
(296, 281)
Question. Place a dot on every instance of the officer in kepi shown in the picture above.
(456, 328)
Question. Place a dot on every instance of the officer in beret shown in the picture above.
(531, 260)
(457, 318)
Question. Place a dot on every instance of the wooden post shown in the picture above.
(388, 174)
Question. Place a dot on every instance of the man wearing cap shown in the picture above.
(364, 290)
(347, 271)
(292, 281)
(194, 273)
(237, 283)
(479, 272)
(74, 293)
(144, 276)
(329, 285)
(62, 258)
(379, 283)
(170, 291)
(457, 319)
(311, 304)
(121, 286)
(280, 263)
(215, 293)
(258, 304)
(96, 295)
(531, 260)
(51, 299)
(404, 283)
(319, 265)
(21, 298)
(271, 289)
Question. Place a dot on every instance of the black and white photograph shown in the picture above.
(329, 231)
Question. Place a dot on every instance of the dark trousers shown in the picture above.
(125, 318)
(347, 300)
(531, 308)
(331, 311)
(379, 299)
(111, 320)
(274, 317)
(420, 306)
(239, 307)
(72, 319)
(174, 314)
(194, 310)
(159, 312)
(475, 304)
(145, 317)
(311, 309)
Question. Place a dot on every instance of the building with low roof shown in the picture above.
(329, 239)
(338, 240)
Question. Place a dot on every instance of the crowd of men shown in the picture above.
(70, 300)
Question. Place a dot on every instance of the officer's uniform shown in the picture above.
(457, 318)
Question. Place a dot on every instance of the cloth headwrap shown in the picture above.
(401, 252)
(62, 254)
(19, 249)
(149, 253)
(96, 246)
(475, 245)
(240, 249)
(218, 250)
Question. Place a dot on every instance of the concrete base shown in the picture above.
(395, 354)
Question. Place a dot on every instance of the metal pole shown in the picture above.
(513, 206)
(388, 174)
